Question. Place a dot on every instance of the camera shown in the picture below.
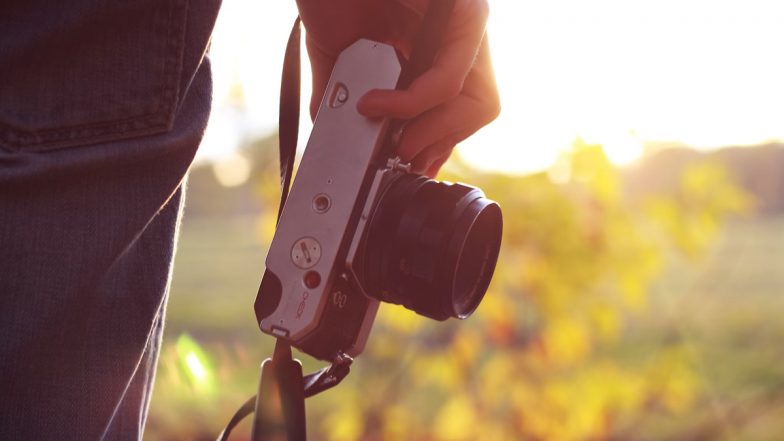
(358, 227)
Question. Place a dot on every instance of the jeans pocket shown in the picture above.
(81, 72)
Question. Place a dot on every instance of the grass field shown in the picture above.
(726, 309)
(218, 268)
(729, 312)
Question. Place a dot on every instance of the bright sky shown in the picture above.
(615, 72)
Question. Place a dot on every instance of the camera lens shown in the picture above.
(432, 246)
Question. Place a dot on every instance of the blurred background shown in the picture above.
(639, 294)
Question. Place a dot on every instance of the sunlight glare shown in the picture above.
(232, 170)
(196, 367)
(621, 148)
(700, 72)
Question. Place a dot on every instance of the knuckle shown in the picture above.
(404, 109)
(452, 88)
(410, 105)
(449, 84)
(407, 112)
(492, 107)
(493, 111)
(485, 114)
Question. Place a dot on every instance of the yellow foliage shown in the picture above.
(466, 347)
(437, 369)
(345, 422)
(590, 168)
(605, 320)
(705, 197)
(498, 315)
(532, 364)
(456, 420)
(399, 319)
(397, 424)
(566, 342)
(546, 357)
(674, 380)
(494, 381)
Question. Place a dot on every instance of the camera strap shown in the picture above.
(279, 405)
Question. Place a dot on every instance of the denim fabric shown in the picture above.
(102, 106)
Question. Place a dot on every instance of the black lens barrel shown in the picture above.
(432, 246)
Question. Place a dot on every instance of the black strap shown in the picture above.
(280, 404)
(281, 384)
(288, 115)
(278, 368)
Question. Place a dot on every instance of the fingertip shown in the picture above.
(387, 103)
(371, 104)
(365, 106)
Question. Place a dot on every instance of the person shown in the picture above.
(102, 107)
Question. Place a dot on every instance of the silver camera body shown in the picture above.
(325, 214)
(358, 227)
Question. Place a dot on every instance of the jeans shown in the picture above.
(102, 106)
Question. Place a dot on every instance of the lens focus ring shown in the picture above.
(432, 246)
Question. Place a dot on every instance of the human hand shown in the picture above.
(444, 105)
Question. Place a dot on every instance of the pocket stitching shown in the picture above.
(157, 121)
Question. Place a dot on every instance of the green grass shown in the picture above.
(728, 311)
(217, 271)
